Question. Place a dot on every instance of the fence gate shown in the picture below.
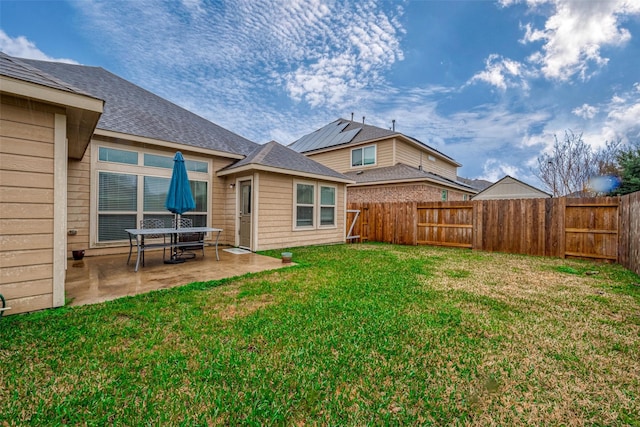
(591, 228)
(445, 224)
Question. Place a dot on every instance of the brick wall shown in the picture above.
(399, 193)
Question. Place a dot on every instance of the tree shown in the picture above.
(572, 163)
(629, 162)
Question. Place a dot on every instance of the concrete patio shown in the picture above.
(103, 278)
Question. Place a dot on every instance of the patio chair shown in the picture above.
(3, 305)
(184, 239)
(152, 223)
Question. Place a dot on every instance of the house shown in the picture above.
(387, 166)
(510, 188)
(85, 154)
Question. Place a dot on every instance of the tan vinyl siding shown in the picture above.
(410, 155)
(26, 204)
(275, 222)
(78, 202)
(509, 188)
(340, 159)
(384, 153)
(223, 203)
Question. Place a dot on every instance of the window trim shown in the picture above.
(334, 206)
(317, 205)
(297, 227)
(363, 147)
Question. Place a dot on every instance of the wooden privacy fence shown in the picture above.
(605, 228)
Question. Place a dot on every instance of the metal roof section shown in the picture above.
(328, 136)
(132, 110)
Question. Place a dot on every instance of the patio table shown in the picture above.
(173, 233)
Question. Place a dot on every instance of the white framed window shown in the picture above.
(444, 195)
(132, 185)
(315, 205)
(327, 206)
(465, 197)
(363, 156)
(304, 205)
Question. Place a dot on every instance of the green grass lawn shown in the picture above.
(353, 335)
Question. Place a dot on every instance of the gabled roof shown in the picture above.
(132, 110)
(278, 158)
(403, 173)
(516, 190)
(342, 132)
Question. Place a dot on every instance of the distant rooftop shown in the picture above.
(402, 172)
(342, 131)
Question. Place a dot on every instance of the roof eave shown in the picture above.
(82, 111)
(429, 149)
(167, 144)
(264, 168)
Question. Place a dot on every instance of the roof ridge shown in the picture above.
(264, 151)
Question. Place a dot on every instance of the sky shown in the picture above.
(489, 83)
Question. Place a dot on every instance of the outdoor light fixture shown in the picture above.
(232, 185)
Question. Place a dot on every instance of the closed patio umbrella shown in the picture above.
(179, 197)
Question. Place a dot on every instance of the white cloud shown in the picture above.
(575, 33)
(502, 73)
(21, 47)
(312, 51)
(495, 169)
(363, 42)
(585, 111)
(623, 118)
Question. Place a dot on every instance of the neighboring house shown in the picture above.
(85, 154)
(387, 166)
(478, 184)
(510, 188)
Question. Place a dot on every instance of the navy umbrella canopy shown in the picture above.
(179, 198)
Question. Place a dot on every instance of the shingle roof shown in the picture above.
(278, 156)
(133, 110)
(20, 70)
(401, 172)
(344, 131)
(478, 184)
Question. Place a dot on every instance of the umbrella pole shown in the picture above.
(174, 241)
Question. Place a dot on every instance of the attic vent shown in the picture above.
(359, 172)
(433, 159)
